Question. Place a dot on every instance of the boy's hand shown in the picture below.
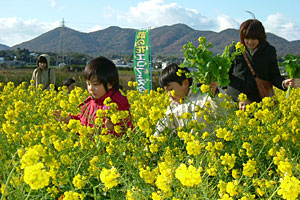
(243, 104)
(109, 125)
(213, 87)
(57, 114)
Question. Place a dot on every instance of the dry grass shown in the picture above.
(19, 75)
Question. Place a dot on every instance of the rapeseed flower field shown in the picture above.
(252, 154)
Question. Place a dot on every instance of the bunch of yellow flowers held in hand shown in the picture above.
(245, 155)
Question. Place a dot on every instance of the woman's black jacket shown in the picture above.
(264, 63)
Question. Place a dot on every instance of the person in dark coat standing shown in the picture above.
(263, 59)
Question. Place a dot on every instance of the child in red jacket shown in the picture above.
(102, 81)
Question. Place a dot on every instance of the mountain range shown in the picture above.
(3, 47)
(165, 41)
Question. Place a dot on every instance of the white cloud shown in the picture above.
(281, 26)
(225, 22)
(53, 3)
(95, 28)
(15, 30)
(155, 13)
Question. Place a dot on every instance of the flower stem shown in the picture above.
(28, 194)
(274, 193)
(95, 194)
(7, 181)
(288, 92)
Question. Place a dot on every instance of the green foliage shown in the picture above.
(207, 68)
(292, 65)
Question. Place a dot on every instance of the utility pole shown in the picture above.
(62, 41)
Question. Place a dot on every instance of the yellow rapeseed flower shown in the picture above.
(163, 182)
(36, 176)
(285, 167)
(109, 177)
(148, 175)
(240, 47)
(228, 160)
(289, 188)
(188, 176)
(156, 196)
(193, 147)
(70, 195)
(212, 171)
(205, 88)
(179, 72)
(31, 157)
(242, 97)
(130, 83)
(231, 188)
(173, 93)
(79, 181)
(249, 169)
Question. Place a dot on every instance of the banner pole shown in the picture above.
(141, 59)
(150, 58)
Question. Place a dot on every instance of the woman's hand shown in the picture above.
(295, 83)
(243, 104)
(292, 82)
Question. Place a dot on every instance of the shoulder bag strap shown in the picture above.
(249, 64)
(49, 80)
(49, 73)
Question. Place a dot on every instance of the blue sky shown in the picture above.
(23, 20)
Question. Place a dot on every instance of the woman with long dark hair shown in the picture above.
(263, 59)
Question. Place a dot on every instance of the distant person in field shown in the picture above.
(43, 74)
(102, 81)
(70, 83)
(182, 98)
(262, 56)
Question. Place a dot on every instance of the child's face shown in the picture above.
(42, 65)
(180, 90)
(95, 88)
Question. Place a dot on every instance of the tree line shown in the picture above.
(27, 57)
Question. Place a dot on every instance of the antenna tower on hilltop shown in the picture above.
(62, 41)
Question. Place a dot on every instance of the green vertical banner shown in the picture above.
(142, 61)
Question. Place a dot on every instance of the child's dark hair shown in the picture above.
(104, 70)
(42, 59)
(68, 82)
(169, 74)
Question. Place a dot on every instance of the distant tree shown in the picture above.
(7, 54)
(128, 58)
(22, 55)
